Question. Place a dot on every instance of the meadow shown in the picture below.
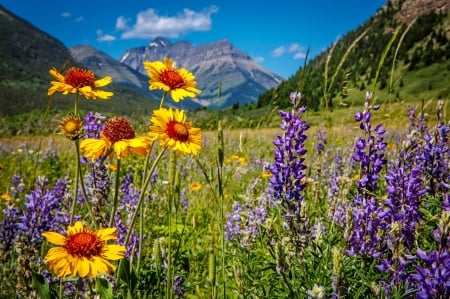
(347, 204)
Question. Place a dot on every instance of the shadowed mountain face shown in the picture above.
(241, 79)
(26, 56)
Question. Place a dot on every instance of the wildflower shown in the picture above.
(196, 186)
(116, 137)
(235, 157)
(173, 131)
(317, 292)
(180, 83)
(71, 127)
(6, 197)
(266, 174)
(78, 80)
(82, 251)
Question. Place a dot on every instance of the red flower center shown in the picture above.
(118, 128)
(172, 79)
(178, 131)
(84, 244)
(79, 78)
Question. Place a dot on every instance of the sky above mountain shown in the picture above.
(276, 34)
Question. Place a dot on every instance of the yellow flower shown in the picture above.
(180, 83)
(82, 251)
(6, 197)
(117, 137)
(266, 174)
(77, 80)
(235, 157)
(196, 186)
(71, 127)
(173, 131)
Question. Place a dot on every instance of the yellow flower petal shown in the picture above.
(54, 238)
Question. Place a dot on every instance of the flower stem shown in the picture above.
(116, 195)
(172, 170)
(77, 177)
(163, 99)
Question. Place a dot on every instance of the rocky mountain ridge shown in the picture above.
(410, 9)
(215, 65)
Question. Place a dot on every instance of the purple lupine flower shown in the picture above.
(39, 213)
(178, 285)
(233, 223)
(435, 159)
(433, 275)
(98, 185)
(321, 140)
(288, 168)
(8, 230)
(93, 124)
(17, 185)
(369, 153)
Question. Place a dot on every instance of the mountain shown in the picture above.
(416, 64)
(216, 64)
(26, 56)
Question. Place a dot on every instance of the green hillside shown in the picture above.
(398, 61)
(26, 56)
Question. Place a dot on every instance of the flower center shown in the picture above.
(118, 128)
(79, 78)
(84, 244)
(71, 126)
(178, 131)
(172, 79)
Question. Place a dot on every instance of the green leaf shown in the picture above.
(127, 275)
(42, 287)
(103, 288)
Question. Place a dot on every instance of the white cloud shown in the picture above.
(79, 19)
(279, 51)
(299, 55)
(258, 59)
(149, 24)
(66, 14)
(121, 23)
(101, 37)
(297, 49)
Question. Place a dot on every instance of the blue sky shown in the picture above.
(276, 34)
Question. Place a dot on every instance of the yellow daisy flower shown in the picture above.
(117, 137)
(173, 131)
(196, 186)
(180, 83)
(82, 251)
(77, 80)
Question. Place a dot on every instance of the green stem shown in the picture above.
(116, 195)
(141, 234)
(163, 99)
(77, 177)
(83, 189)
(172, 175)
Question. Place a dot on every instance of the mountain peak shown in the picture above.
(159, 42)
